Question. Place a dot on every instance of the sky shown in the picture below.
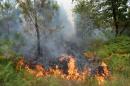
(66, 3)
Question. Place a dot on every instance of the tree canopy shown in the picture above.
(106, 13)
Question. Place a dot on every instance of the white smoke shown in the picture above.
(58, 36)
(67, 17)
(54, 34)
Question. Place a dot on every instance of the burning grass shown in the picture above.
(26, 74)
(72, 73)
(39, 70)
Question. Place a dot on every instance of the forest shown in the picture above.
(64, 42)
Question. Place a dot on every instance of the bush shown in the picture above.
(116, 53)
(9, 76)
(119, 45)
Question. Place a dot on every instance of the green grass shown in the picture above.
(119, 45)
(8, 75)
(116, 53)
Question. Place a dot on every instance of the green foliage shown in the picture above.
(90, 81)
(120, 45)
(5, 6)
(120, 65)
(121, 9)
(6, 49)
(5, 9)
(8, 75)
(10, 44)
(116, 53)
(86, 7)
(47, 81)
(26, 7)
(91, 9)
(101, 12)
(119, 81)
(55, 6)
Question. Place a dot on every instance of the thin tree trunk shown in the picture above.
(125, 27)
(38, 40)
(39, 52)
(115, 17)
(8, 25)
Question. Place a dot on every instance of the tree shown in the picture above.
(32, 11)
(5, 9)
(117, 11)
(106, 13)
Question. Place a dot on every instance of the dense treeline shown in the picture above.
(113, 14)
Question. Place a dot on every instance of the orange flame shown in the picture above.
(39, 70)
(102, 74)
(72, 71)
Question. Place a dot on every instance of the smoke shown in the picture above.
(58, 31)
(67, 17)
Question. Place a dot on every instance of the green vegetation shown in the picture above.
(106, 13)
(33, 19)
(10, 77)
(116, 53)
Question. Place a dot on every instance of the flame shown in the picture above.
(20, 64)
(102, 74)
(40, 71)
(72, 71)
(89, 54)
(100, 80)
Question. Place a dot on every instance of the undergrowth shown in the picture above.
(116, 53)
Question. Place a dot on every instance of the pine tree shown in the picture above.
(106, 13)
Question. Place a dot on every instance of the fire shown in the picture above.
(20, 64)
(55, 71)
(72, 70)
(102, 74)
(69, 73)
(89, 54)
(40, 71)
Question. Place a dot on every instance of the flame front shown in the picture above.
(40, 71)
(102, 74)
(72, 71)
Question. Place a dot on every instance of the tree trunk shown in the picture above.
(115, 17)
(125, 27)
(8, 25)
(39, 52)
